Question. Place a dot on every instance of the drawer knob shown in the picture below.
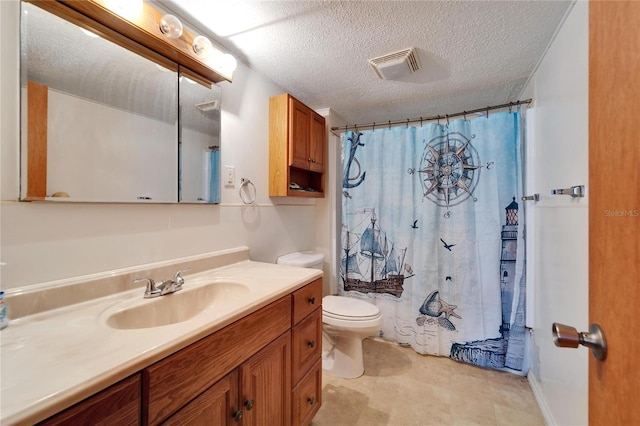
(312, 300)
(312, 343)
(249, 404)
(311, 400)
(237, 415)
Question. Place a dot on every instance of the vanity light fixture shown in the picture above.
(171, 26)
(128, 9)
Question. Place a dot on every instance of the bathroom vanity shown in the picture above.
(252, 357)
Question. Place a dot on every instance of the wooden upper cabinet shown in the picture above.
(300, 131)
(297, 138)
(316, 144)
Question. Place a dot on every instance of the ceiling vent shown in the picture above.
(396, 65)
(207, 106)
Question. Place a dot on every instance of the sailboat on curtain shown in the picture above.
(371, 263)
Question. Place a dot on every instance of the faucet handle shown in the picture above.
(151, 290)
(178, 278)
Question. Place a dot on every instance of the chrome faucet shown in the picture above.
(164, 287)
(152, 289)
(175, 284)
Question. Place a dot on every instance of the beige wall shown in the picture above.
(41, 242)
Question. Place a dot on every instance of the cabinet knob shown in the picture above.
(311, 400)
(237, 415)
(249, 404)
(309, 160)
(312, 343)
(312, 300)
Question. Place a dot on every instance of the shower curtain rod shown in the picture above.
(432, 118)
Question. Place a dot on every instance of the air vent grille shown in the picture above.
(396, 65)
(207, 106)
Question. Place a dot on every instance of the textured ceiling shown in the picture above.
(472, 53)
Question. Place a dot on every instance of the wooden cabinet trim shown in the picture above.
(37, 112)
(118, 404)
(173, 381)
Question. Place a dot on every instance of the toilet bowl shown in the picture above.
(346, 322)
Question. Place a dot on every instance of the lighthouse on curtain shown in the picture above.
(508, 264)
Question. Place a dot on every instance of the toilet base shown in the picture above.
(345, 358)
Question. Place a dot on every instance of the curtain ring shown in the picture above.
(407, 123)
(438, 117)
(487, 112)
(465, 115)
(420, 121)
(389, 124)
(510, 106)
(374, 127)
(246, 182)
(447, 120)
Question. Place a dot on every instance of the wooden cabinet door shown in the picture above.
(265, 385)
(299, 129)
(316, 143)
(217, 405)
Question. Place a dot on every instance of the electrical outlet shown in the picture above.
(229, 176)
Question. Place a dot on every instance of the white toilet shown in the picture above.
(346, 321)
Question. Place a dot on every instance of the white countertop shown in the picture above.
(53, 359)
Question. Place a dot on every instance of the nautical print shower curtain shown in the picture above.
(432, 235)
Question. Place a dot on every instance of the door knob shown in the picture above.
(565, 336)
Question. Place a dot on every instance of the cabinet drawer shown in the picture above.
(306, 300)
(177, 379)
(307, 344)
(307, 396)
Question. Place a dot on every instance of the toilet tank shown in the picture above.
(303, 259)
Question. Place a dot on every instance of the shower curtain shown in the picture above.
(432, 235)
(213, 183)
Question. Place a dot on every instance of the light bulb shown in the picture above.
(171, 26)
(229, 63)
(128, 9)
(202, 46)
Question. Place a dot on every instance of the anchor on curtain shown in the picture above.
(432, 236)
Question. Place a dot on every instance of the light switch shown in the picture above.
(229, 176)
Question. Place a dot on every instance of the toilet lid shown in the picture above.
(348, 307)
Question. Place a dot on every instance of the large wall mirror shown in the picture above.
(101, 123)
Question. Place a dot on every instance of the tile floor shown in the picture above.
(403, 388)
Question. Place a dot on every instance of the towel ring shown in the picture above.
(246, 182)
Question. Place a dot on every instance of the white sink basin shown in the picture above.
(176, 307)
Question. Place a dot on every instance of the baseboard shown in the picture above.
(542, 403)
